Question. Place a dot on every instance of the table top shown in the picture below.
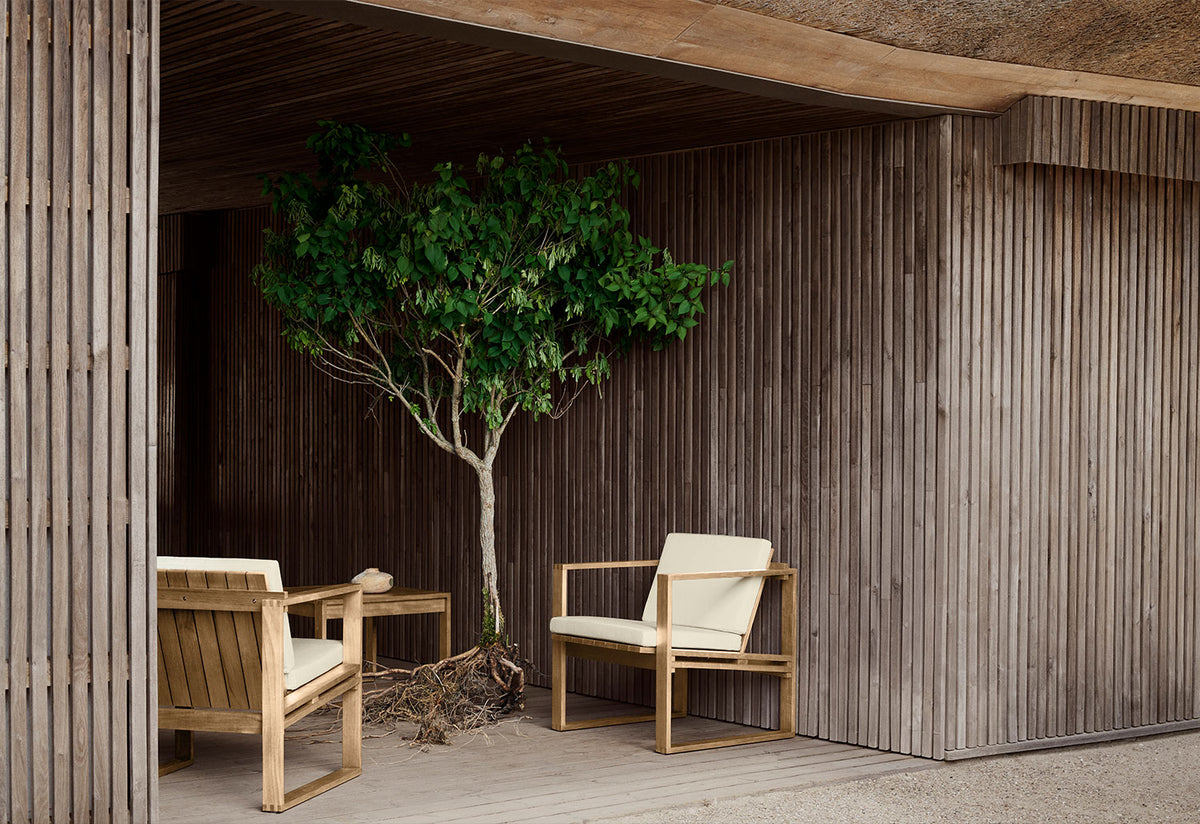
(396, 601)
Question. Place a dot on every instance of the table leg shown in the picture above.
(370, 651)
(444, 631)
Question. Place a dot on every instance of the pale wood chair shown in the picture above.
(698, 615)
(227, 663)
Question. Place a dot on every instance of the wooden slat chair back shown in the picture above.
(211, 658)
(699, 615)
(226, 661)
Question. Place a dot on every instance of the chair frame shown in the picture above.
(671, 666)
(186, 592)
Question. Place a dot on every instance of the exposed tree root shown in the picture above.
(464, 692)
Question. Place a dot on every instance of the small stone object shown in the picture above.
(373, 580)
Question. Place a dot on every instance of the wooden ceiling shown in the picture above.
(242, 87)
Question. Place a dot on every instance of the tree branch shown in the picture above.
(561, 406)
(438, 358)
(494, 435)
(387, 382)
(460, 446)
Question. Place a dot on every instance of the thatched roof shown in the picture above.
(1149, 39)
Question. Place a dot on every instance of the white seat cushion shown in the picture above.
(270, 568)
(314, 656)
(643, 633)
(725, 605)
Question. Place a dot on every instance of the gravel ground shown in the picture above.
(1154, 779)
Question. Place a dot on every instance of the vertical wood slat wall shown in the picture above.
(1070, 530)
(959, 396)
(78, 421)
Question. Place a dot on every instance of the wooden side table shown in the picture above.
(396, 601)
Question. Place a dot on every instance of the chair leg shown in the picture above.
(272, 749)
(274, 688)
(558, 699)
(558, 686)
(274, 720)
(352, 703)
(351, 758)
(787, 723)
(787, 703)
(185, 753)
(680, 687)
(663, 703)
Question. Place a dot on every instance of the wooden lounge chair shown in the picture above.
(227, 662)
(698, 615)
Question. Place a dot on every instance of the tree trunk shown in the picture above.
(493, 618)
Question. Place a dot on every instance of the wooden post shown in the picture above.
(789, 627)
(352, 701)
(273, 691)
(558, 664)
(663, 674)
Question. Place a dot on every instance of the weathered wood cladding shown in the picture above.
(76, 142)
(959, 396)
(1109, 136)
(872, 616)
(1068, 383)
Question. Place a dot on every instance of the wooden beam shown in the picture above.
(627, 35)
(736, 49)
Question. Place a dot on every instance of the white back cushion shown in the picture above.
(270, 568)
(723, 604)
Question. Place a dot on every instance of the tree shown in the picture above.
(458, 298)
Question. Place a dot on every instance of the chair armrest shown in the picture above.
(352, 615)
(559, 602)
(736, 573)
(607, 565)
(322, 594)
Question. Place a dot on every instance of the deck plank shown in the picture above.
(519, 769)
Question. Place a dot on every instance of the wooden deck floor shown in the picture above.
(519, 771)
